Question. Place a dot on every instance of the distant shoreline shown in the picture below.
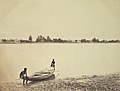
(62, 43)
(48, 39)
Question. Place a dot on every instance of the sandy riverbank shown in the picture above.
(109, 82)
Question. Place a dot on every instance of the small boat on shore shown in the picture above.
(43, 75)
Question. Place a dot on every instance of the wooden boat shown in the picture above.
(43, 75)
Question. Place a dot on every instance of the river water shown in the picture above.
(71, 59)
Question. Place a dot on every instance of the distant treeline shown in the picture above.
(48, 39)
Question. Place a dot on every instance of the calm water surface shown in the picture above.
(71, 59)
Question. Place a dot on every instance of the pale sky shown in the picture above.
(68, 19)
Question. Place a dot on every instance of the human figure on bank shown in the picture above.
(23, 75)
(53, 64)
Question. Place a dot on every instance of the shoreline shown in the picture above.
(108, 82)
(61, 43)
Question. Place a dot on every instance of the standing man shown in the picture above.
(23, 75)
(53, 64)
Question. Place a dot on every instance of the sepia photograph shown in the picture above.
(59, 45)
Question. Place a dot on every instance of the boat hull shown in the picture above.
(51, 77)
(44, 75)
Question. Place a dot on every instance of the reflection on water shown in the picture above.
(71, 59)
